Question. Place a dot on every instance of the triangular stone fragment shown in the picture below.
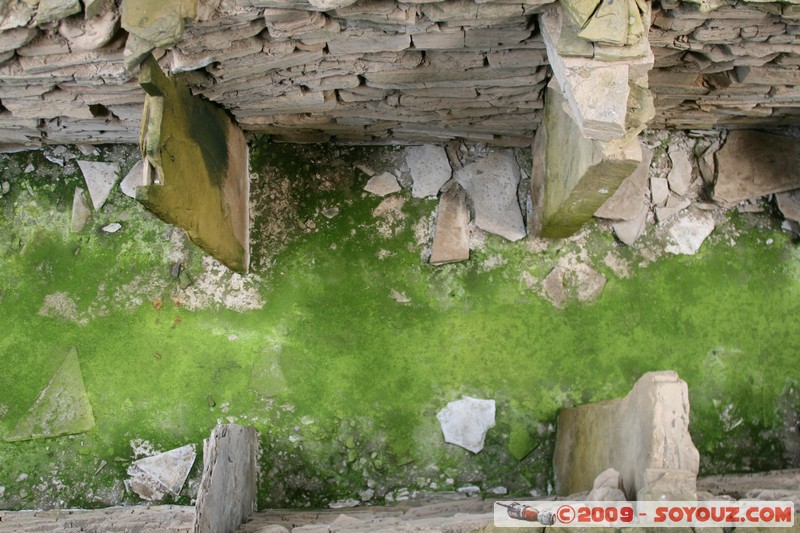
(100, 179)
(383, 184)
(133, 179)
(62, 407)
(165, 473)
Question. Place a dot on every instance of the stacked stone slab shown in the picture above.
(596, 105)
(385, 70)
(725, 63)
(366, 71)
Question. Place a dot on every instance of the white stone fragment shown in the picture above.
(383, 184)
(133, 179)
(687, 233)
(430, 169)
(100, 179)
(154, 477)
(465, 422)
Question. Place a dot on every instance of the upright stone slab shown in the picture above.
(451, 236)
(754, 163)
(227, 494)
(575, 175)
(196, 168)
(644, 436)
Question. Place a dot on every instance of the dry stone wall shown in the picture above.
(726, 62)
(378, 70)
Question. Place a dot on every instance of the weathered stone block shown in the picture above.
(644, 436)
(492, 184)
(227, 494)
(753, 164)
(575, 187)
(199, 160)
(160, 22)
(451, 234)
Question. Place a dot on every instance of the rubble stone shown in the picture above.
(491, 184)
(753, 164)
(430, 169)
(451, 233)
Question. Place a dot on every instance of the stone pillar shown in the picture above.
(227, 494)
(196, 168)
(644, 436)
(595, 107)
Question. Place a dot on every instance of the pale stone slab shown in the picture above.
(133, 179)
(451, 236)
(688, 232)
(789, 204)
(644, 436)
(430, 169)
(627, 200)
(629, 231)
(62, 408)
(100, 180)
(383, 184)
(491, 184)
(680, 176)
(227, 494)
(659, 191)
(465, 422)
(80, 211)
(753, 164)
(152, 478)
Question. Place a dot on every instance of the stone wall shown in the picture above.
(376, 70)
(728, 63)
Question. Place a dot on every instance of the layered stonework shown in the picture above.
(382, 71)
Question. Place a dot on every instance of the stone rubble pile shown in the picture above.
(687, 182)
(725, 62)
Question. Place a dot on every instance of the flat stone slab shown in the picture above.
(100, 180)
(80, 211)
(492, 186)
(789, 204)
(688, 232)
(627, 201)
(680, 176)
(451, 235)
(383, 184)
(430, 169)
(465, 422)
(62, 407)
(152, 478)
(573, 282)
(753, 164)
(133, 179)
(629, 231)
